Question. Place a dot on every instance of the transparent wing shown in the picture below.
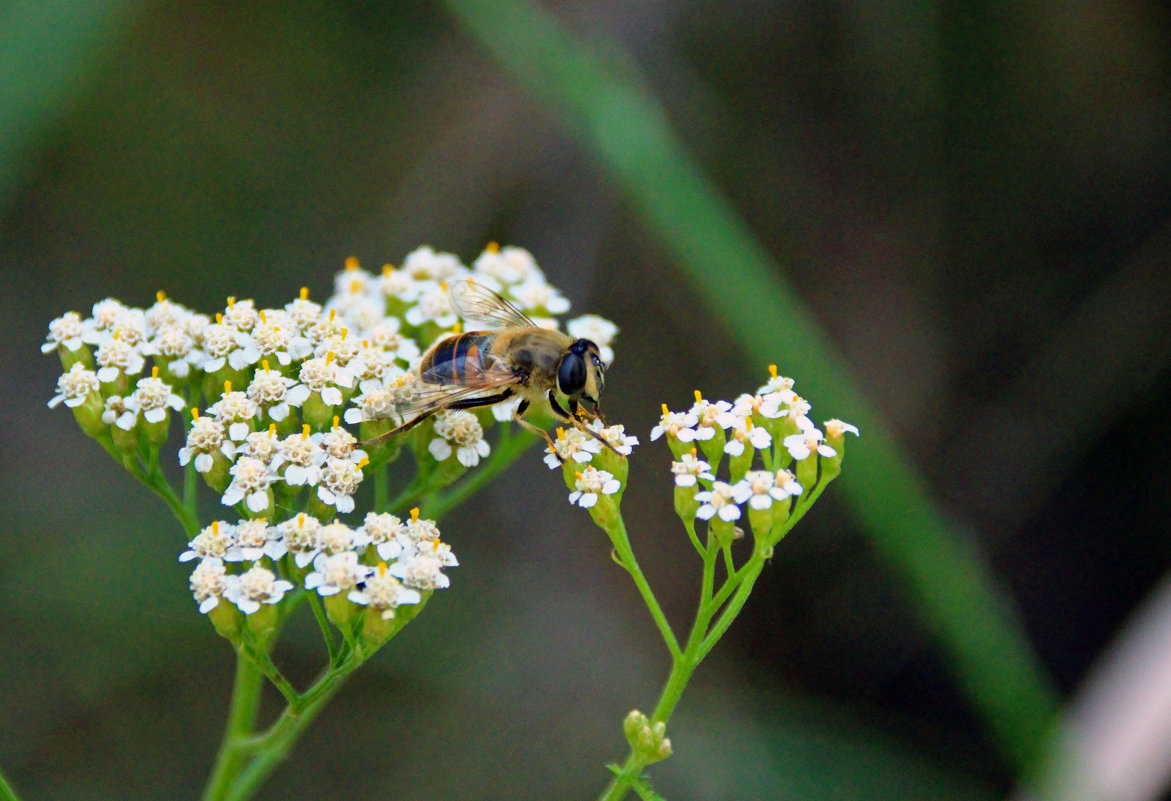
(476, 384)
(480, 307)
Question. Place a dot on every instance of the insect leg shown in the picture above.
(400, 430)
(518, 416)
(472, 403)
(574, 421)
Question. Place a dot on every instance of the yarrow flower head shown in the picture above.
(459, 432)
(267, 390)
(571, 445)
(689, 469)
(591, 484)
(719, 501)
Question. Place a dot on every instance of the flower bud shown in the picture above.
(685, 504)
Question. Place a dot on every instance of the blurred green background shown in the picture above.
(949, 221)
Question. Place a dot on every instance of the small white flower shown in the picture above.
(615, 435)
(340, 444)
(302, 456)
(675, 424)
(802, 445)
(417, 534)
(75, 386)
(375, 402)
(204, 439)
(788, 482)
(153, 397)
(240, 314)
(423, 571)
(760, 488)
(339, 481)
(836, 428)
(236, 411)
(689, 469)
(591, 483)
(256, 539)
(116, 357)
(214, 541)
(788, 404)
(383, 591)
(324, 376)
(208, 582)
(65, 331)
(775, 383)
(255, 587)
(217, 341)
(537, 296)
(711, 416)
(303, 312)
(269, 391)
(299, 536)
(425, 264)
(382, 531)
(744, 433)
(718, 501)
(508, 265)
(460, 432)
(251, 479)
(334, 573)
(571, 444)
(434, 305)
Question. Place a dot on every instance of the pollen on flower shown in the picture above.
(571, 445)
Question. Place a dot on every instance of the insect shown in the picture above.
(513, 357)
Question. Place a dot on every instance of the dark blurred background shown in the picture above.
(972, 198)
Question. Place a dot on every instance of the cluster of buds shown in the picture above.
(265, 392)
(648, 741)
(776, 457)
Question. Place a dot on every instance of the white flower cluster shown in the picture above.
(772, 426)
(383, 564)
(574, 450)
(282, 378)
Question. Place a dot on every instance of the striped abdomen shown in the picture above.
(462, 359)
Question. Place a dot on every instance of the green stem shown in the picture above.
(6, 791)
(234, 748)
(621, 542)
(274, 745)
(381, 490)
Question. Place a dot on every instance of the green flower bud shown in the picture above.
(685, 504)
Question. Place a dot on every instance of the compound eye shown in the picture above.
(571, 375)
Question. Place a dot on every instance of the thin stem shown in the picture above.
(618, 537)
(6, 791)
(241, 715)
(381, 490)
(275, 744)
(690, 526)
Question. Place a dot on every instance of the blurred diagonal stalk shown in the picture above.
(608, 107)
(49, 48)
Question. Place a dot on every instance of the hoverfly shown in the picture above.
(513, 357)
